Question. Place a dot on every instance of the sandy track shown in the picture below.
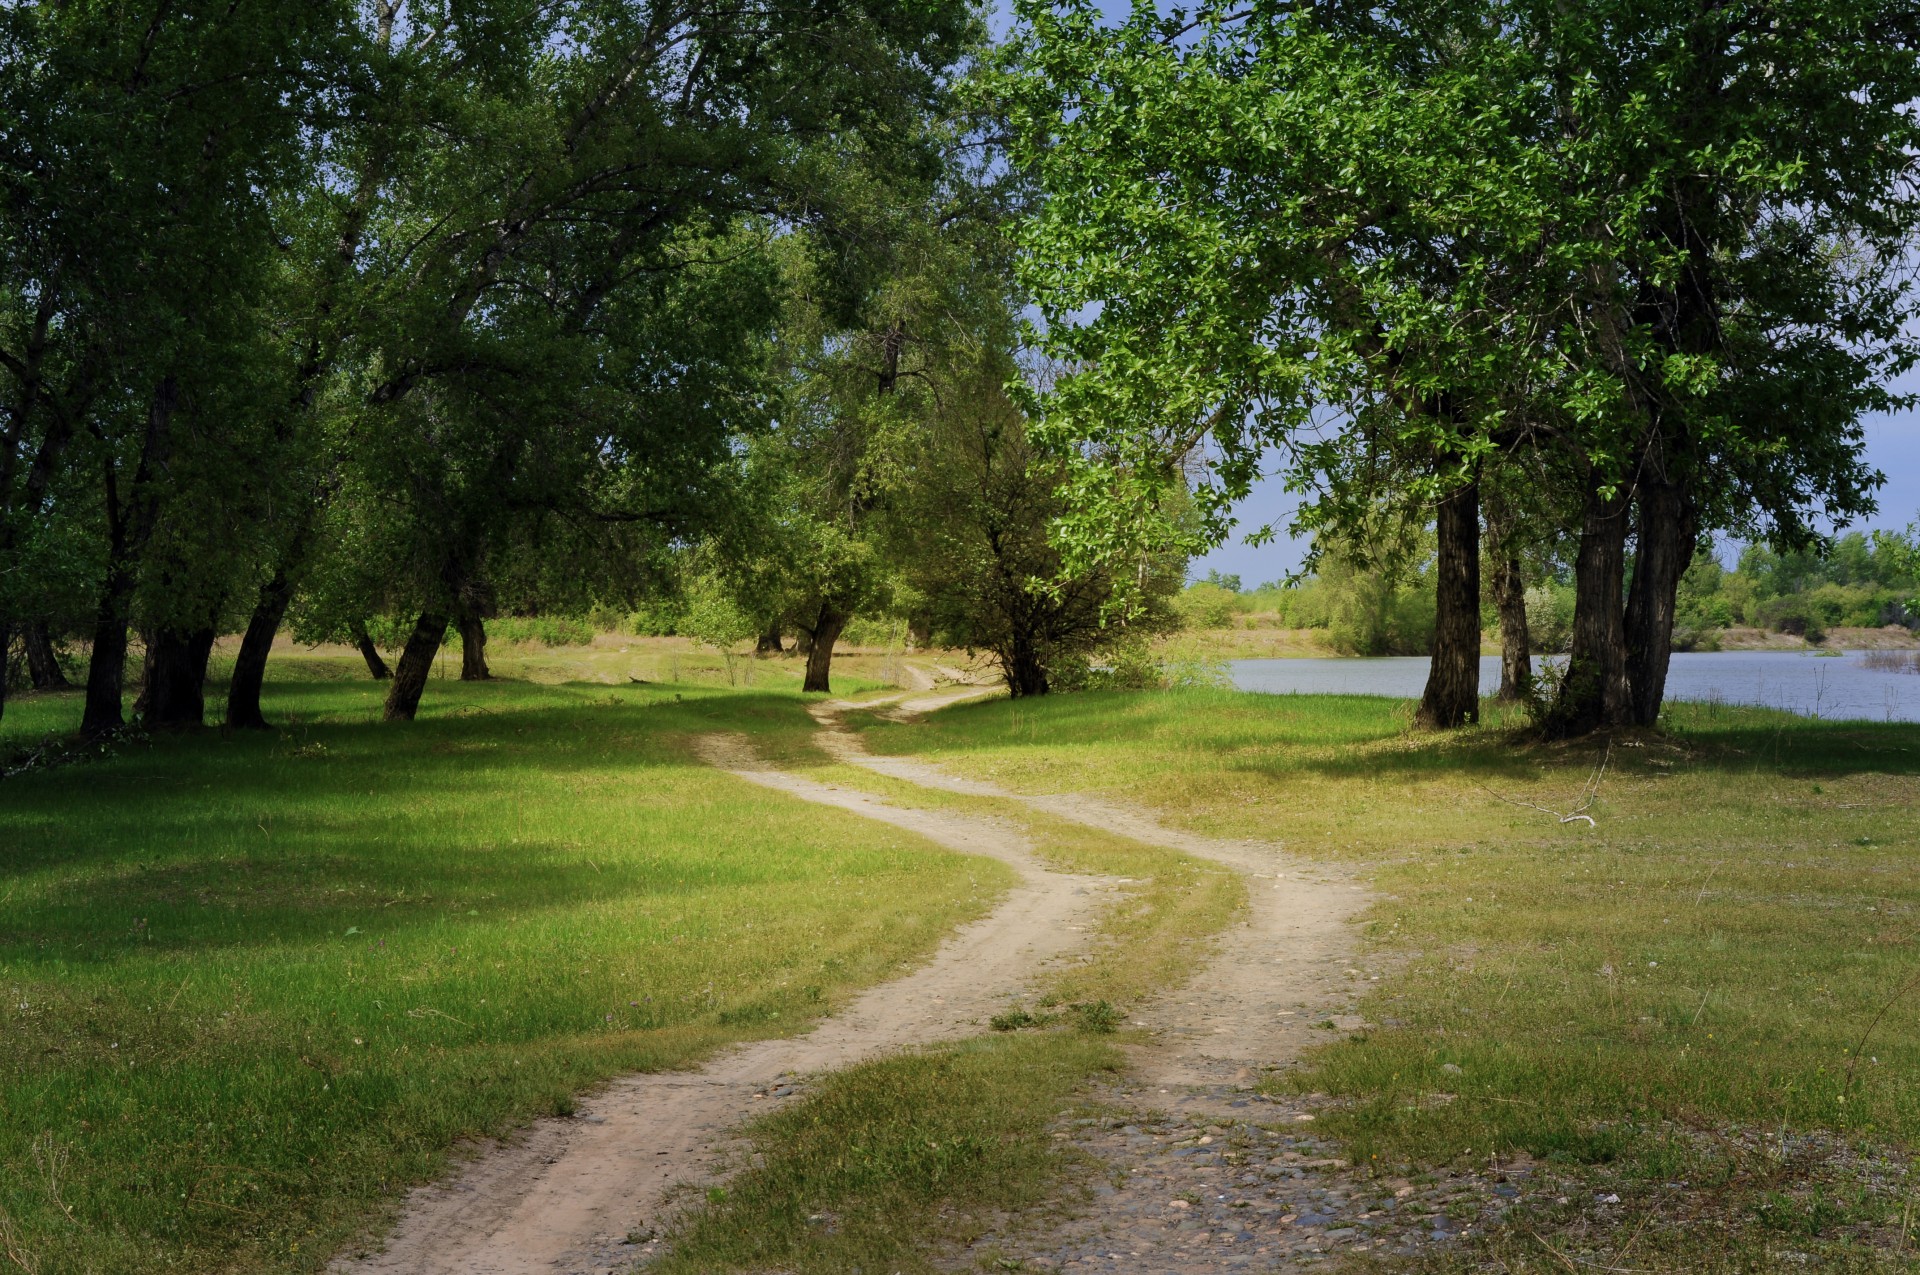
(1254, 1005)
(566, 1196)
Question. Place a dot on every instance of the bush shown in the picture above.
(535, 630)
(1550, 618)
(1691, 638)
(1207, 606)
(657, 617)
(1714, 612)
(1794, 614)
(1370, 615)
(1305, 606)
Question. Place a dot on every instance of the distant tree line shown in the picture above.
(1854, 581)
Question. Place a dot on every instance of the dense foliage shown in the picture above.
(1604, 278)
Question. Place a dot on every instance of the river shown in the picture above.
(1830, 687)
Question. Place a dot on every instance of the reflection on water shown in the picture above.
(1835, 688)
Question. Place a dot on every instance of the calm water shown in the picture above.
(1831, 687)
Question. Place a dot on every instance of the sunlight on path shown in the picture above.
(587, 1193)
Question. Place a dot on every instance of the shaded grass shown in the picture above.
(252, 987)
(1704, 963)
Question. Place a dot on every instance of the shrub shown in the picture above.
(536, 630)
(657, 617)
(1794, 614)
(1550, 617)
(1207, 606)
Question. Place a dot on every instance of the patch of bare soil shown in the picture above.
(587, 1194)
(1199, 1173)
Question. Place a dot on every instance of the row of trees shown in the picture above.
(319, 314)
(314, 314)
(1587, 282)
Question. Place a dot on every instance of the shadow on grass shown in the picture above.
(204, 840)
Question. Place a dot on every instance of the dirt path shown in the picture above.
(1248, 1010)
(585, 1194)
(1201, 1174)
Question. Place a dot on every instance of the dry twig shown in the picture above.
(1588, 795)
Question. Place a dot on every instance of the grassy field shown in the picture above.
(911, 1154)
(251, 986)
(1706, 1002)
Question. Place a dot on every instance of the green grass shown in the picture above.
(251, 987)
(884, 1165)
(1651, 994)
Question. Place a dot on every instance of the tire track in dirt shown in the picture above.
(568, 1194)
(1275, 978)
(1289, 955)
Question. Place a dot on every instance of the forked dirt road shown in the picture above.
(587, 1194)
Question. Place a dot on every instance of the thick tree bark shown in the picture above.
(6, 643)
(107, 664)
(473, 649)
(250, 665)
(128, 528)
(1516, 643)
(416, 662)
(1452, 695)
(826, 631)
(1021, 667)
(176, 690)
(376, 667)
(43, 663)
(1594, 694)
(803, 642)
(1667, 528)
(769, 642)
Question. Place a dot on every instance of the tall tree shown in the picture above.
(1627, 234)
(136, 165)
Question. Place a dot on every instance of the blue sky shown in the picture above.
(1893, 447)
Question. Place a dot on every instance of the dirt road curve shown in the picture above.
(567, 1196)
(584, 1195)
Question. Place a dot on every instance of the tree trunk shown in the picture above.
(1022, 669)
(769, 643)
(826, 631)
(376, 667)
(1594, 694)
(1667, 530)
(416, 661)
(6, 642)
(473, 649)
(1452, 696)
(107, 664)
(250, 665)
(43, 662)
(144, 695)
(920, 631)
(803, 642)
(1516, 644)
(176, 691)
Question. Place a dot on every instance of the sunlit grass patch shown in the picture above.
(251, 987)
(1728, 950)
(884, 1164)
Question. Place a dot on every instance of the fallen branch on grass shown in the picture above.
(1578, 813)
